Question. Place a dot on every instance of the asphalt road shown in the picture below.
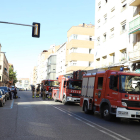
(28, 118)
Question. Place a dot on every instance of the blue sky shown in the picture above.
(56, 18)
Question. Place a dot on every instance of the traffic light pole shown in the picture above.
(35, 27)
(17, 24)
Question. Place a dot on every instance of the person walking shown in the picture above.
(10, 94)
(33, 91)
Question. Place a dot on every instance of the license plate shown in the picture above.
(137, 113)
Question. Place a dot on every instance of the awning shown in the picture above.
(138, 30)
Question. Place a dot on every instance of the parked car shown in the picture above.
(4, 94)
(2, 100)
(21, 89)
(6, 91)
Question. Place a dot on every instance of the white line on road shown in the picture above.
(96, 125)
(110, 135)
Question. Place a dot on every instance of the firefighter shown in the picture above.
(44, 95)
(33, 91)
(37, 91)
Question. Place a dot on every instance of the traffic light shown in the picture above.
(36, 30)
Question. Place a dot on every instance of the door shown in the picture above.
(84, 87)
(98, 90)
(61, 90)
(91, 86)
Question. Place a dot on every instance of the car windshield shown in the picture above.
(130, 84)
(75, 85)
(5, 88)
(52, 83)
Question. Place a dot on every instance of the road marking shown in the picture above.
(110, 135)
(89, 124)
(79, 117)
(12, 104)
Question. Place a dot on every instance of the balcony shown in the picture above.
(134, 3)
(134, 26)
(135, 55)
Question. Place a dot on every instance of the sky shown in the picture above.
(56, 18)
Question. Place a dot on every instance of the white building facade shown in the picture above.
(61, 60)
(112, 32)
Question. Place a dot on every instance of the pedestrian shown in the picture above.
(33, 91)
(37, 91)
(10, 94)
(44, 95)
(26, 89)
(15, 92)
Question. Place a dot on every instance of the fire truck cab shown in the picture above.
(48, 85)
(69, 90)
(111, 93)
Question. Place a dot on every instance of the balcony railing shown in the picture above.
(134, 3)
(135, 55)
(134, 26)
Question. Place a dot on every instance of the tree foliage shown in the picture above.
(12, 75)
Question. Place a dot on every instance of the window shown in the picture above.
(98, 23)
(90, 51)
(98, 41)
(100, 83)
(112, 12)
(113, 57)
(99, 5)
(90, 63)
(0, 67)
(113, 82)
(104, 59)
(90, 38)
(73, 50)
(112, 32)
(73, 63)
(124, 5)
(104, 37)
(123, 54)
(123, 26)
(74, 36)
(106, 1)
(105, 18)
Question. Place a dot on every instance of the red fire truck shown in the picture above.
(111, 93)
(69, 90)
(49, 85)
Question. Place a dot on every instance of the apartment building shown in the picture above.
(134, 35)
(112, 33)
(61, 60)
(80, 48)
(42, 63)
(4, 69)
(51, 67)
(23, 83)
(42, 66)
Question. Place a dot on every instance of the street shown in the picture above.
(28, 118)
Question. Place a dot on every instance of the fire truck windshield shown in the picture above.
(76, 85)
(130, 84)
(52, 83)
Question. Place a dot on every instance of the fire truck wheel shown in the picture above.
(106, 113)
(86, 108)
(64, 100)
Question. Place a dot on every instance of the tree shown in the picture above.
(12, 75)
